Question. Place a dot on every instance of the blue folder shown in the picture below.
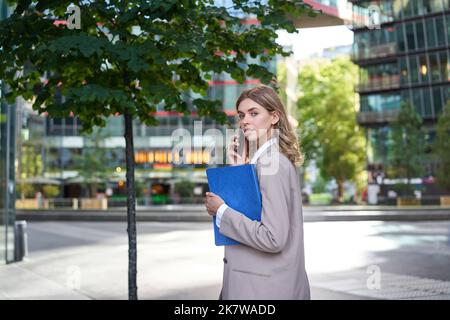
(238, 186)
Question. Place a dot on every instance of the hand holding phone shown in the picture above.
(236, 149)
(240, 142)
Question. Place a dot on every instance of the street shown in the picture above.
(178, 260)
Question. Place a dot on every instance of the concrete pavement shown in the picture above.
(89, 260)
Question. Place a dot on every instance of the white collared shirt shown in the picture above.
(261, 149)
(255, 157)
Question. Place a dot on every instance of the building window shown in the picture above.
(70, 157)
(390, 75)
(397, 8)
(405, 97)
(434, 66)
(365, 104)
(410, 36)
(431, 34)
(420, 35)
(417, 101)
(423, 68)
(404, 75)
(390, 102)
(447, 23)
(386, 11)
(438, 101)
(421, 9)
(427, 103)
(410, 9)
(380, 102)
(441, 34)
(436, 5)
(401, 45)
(373, 103)
(414, 69)
(362, 45)
(52, 160)
(444, 65)
(446, 4)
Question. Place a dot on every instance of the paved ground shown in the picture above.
(176, 260)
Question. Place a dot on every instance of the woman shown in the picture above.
(269, 263)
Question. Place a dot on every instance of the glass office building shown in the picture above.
(62, 145)
(402, 48)
(7, 147)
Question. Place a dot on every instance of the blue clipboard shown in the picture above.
(238, 186)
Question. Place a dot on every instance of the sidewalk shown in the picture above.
(89, 260)
(37, 287)
(198, 213)
(20, 283)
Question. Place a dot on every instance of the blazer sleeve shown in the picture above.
(271, 233)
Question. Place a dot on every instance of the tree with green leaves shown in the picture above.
(327, 115)
(407, 146)
(441, 148)
(128, 57)
(185, 188)
(50, 191)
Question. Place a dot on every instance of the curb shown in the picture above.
(202, 216)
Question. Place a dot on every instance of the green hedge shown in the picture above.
(320, 198)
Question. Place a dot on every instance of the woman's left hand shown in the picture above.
(212, 203)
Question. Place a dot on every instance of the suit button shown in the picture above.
(225, 260)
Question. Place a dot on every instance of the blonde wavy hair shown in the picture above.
(266, 97)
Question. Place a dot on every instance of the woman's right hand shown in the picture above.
(234, 158)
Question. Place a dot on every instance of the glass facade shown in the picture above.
(7, 147)
(405, 58)
(379, 147)
(427, 101)
(423, 33)
(392, 10)
(64, 141)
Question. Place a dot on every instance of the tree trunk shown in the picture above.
(93, 190)
(131, 207)
(340, 191)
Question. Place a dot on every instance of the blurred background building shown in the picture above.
(402, 49)
(53, 154)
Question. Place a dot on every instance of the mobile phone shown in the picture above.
(241, 139)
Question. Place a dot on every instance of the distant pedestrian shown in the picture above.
(269, 264)
(39, 200)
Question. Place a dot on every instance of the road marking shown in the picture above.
(393, 286)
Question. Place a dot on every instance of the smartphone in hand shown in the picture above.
(241, 140)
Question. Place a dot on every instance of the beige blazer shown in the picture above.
(269, 264)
